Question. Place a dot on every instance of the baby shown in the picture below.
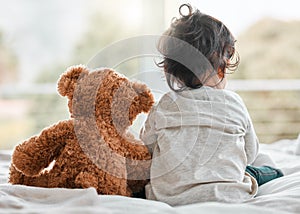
(201, 137)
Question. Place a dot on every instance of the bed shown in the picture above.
(281, 195)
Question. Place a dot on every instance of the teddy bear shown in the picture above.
(94, 148)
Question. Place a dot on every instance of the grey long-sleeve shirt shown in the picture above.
(201, 141)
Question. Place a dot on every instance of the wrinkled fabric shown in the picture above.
(201, 141)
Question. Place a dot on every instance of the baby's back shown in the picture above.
(200, 153)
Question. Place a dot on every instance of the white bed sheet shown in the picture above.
(281, 195)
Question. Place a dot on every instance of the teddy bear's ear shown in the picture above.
(145, 97)
(67, 81)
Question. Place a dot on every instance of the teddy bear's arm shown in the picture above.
(35, 154)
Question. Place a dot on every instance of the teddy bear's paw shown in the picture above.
(26, 163)
(86, 180)
(15, 176)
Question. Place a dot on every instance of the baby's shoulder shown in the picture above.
(235, 99)
(167, 100)
(232, 95)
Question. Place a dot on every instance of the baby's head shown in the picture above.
(208, 36)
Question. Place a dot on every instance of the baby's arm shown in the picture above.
(251, 140)
(254, 156)
(251, 143)
(148, 132)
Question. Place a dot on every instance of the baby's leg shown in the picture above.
(264, 174)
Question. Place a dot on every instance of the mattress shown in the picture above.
(281, 195)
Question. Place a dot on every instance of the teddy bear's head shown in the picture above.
(105, 95)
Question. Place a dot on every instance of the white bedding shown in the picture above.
(281, 195)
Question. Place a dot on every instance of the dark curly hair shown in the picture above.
(193, 45)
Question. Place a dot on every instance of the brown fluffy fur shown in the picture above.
(94, 148)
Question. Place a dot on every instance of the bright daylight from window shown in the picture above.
(40, 39)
